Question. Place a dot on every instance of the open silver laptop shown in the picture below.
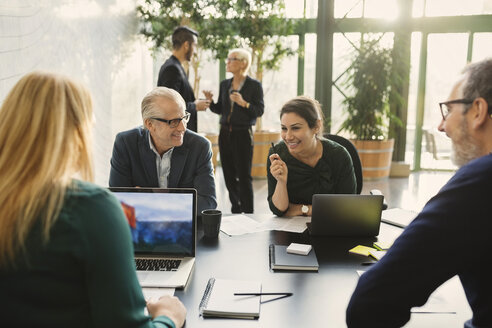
(163, 228)
(343, 215)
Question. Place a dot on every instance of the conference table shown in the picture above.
(319, 298)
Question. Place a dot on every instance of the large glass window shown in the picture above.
(385, 9)
(446, 57)
(301, 8)
(343, 54)
(279, 86)
(309, 63)
(457, 7)
(412, 95)
(208, 122)
(348, 8)
(481, 46)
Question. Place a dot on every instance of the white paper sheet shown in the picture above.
(154, 292)
(398, 217)
(241, 224)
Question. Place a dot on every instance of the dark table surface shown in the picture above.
(320, 298)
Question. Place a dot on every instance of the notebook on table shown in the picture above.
(346, 215)
(163, 228)
(281, 260)
(219, 300)
(398, 217)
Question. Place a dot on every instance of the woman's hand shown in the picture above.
(209, 95)
(278, 168)
(169, 306)
(238, 99)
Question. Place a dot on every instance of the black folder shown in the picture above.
(281, 260)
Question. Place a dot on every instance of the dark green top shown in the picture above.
(84, 276)
(333, 174)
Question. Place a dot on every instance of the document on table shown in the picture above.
(241, 224)
(151, 292)
(398, 217)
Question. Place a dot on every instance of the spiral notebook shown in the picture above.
(219, 300)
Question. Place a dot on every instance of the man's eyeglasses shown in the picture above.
(175, 121)
(444, 106)
(233, 59)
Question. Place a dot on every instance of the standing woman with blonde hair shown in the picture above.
(66, 256)
(240, 102)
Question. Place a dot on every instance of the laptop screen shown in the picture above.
(162, 221)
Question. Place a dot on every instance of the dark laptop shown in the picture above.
(163, 228)
(341, 215)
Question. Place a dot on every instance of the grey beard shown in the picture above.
(464, 151)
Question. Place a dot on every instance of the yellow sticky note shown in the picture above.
(362, 250)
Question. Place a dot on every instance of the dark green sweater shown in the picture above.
(333, 174)
(84, 276)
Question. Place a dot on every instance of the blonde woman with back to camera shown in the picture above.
(66, 255)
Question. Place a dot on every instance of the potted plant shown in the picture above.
(367, 109)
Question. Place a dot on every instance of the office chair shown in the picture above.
(355, 161)
(353, 154)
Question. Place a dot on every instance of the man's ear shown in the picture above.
(481, 112)
(148, 123)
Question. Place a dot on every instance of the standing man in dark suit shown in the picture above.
(173, 75)
(163, 153)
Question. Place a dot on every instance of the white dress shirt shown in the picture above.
(163, 164)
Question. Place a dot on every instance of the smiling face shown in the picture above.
(297, 135)
(163, 136)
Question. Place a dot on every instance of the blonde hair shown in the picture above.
(45, 137)
(149, 108)
(242, 54)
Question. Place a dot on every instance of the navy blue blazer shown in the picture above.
(133, 164)
(172, 75)
(241, 117)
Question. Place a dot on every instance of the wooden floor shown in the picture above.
(409, 193)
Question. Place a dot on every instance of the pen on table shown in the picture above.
(260, 294)
(368, 263)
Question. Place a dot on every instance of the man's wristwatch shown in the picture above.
(304, 210)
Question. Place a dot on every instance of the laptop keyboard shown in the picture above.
(157, 264)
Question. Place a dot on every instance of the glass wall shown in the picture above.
(310, 40)
(446, 57)
(457, 7)
(280, 86)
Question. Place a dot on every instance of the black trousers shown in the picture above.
(236, 155)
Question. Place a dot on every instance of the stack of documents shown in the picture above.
(240, 224)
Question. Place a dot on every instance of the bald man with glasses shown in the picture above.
(163, 152)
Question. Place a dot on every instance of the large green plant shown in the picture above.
(256, 24)
(369, 79)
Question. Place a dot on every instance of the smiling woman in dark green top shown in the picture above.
(304, 163)
(66, 254)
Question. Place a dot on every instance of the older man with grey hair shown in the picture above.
(451, 236)
(163, 153)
